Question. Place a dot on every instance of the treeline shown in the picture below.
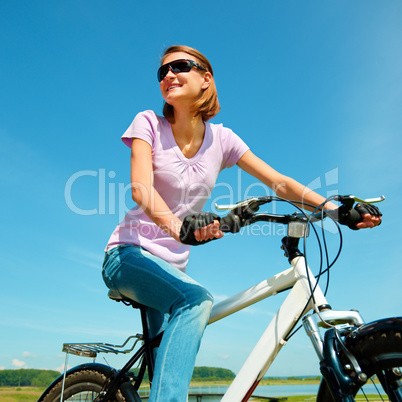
(204, 374)
(27, 378)
(42, 378)
(212, 374)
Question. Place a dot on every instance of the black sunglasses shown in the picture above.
(178, 66)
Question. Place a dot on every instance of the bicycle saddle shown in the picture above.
(112, 294)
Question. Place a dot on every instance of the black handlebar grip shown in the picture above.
(354, 218)
(191, 223)
(349, 218)
(230, 223)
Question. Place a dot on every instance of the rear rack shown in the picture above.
(92, 349)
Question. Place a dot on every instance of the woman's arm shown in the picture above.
(144, 193)
(286, 187)
(150, 201)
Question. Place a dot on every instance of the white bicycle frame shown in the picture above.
(295, 306)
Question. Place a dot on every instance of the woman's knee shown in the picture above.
(206, 296)
(197, 296)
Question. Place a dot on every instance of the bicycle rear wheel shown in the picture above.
(85, 385)
(378, 350)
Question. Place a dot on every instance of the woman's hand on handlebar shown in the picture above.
(361, 216)
(369, 221)
(200, 228)
(371, 216)
(209, 232)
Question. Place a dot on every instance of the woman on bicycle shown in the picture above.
(175, 161)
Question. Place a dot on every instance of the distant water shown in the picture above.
(263, 390)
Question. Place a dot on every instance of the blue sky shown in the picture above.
(313, 87)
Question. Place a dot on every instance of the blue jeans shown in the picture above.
(149, 280)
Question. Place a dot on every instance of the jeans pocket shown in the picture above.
(109, 266)
(107, 280)
(114, 261)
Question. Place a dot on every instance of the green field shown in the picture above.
(20, 394)
(31, 394)
(28, 384)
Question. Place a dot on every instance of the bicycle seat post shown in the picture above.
(148, 348)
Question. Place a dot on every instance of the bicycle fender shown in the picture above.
(375, 327)
(339, 383)
(126, 388)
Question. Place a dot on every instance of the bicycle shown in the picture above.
(350, 352)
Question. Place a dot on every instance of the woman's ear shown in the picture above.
(207, 80)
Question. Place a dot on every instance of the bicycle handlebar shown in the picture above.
(244, 213)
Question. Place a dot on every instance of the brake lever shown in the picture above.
(231, 207)
(246, 203)
(368, 200)
(347, 199)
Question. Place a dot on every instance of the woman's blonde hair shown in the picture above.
(207, 105)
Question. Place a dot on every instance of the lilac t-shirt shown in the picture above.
(184, 184)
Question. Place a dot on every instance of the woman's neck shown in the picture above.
(188, 127)
(188, 131)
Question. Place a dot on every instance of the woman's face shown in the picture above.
(183, 88)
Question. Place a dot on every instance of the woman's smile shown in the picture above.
(173, 86)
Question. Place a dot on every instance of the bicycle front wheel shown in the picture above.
(83, 385)
(378, 350)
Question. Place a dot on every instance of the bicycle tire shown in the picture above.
(377, 348)
(85, 385)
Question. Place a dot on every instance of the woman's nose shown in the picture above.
(170, 73)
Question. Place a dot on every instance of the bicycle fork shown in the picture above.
(340, 383)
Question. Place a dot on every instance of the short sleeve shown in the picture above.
(144, 126)
(233, 147)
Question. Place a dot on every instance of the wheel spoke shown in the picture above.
(83, 396)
